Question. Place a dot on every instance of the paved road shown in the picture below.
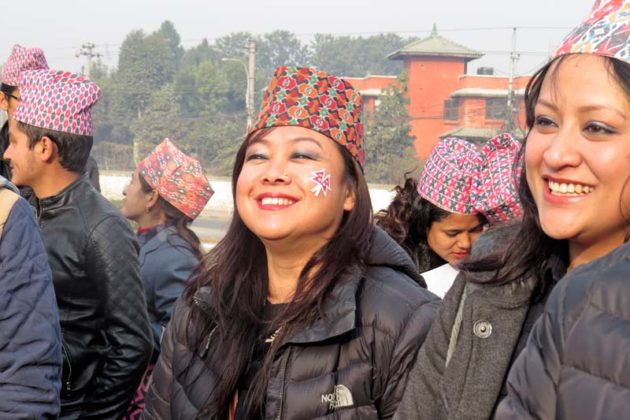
(210, 230)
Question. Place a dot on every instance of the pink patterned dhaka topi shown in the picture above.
(22, 59)
(447, 178)
(57, 100)
(310, 98)
(605, 32)
(495, 193)
(177, 178)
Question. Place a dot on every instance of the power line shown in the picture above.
(358, 33)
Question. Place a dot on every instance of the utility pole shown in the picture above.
(251, 79)
(511, 97)
(250, 74)
(87, 50)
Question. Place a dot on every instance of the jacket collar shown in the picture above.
(160, 237)
(340, 313)
(5, 183)
(63, 198)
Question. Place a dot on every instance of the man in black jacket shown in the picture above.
(106, 339)
(22, 59)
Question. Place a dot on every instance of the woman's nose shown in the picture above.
(562, 151)
(276, 172)
(464, 240)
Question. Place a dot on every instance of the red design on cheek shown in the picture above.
(322, 182)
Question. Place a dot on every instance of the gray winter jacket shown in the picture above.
(493, 319)
(576, 364)
(352, 363)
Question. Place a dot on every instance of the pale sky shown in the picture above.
(61, 26)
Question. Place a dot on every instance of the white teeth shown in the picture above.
(275, 201)
(561, 188)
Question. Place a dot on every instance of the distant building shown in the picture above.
(443, 99)
(372, 88)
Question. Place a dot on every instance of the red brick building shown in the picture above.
(443, 99)
(371, 88)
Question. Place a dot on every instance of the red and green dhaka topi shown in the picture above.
(314, 99)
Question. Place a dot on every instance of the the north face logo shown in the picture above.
(340, 397)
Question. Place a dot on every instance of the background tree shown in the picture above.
(280, 48)
(159, 89)
(357, 56)
(389, 144)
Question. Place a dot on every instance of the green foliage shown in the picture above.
(233, 45)
(144, 65)
(197, 99)
(162, 118)
(357, 56)
(280, 48)
(389, 145)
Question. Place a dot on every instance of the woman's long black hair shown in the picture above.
(408, 219)
(529, 250)
(236, 273)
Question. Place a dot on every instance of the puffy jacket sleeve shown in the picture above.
(170, 275)
(30, 338)
(422, 394)
(532, 383)
(157, 402)
(403, 354)
(112, 258)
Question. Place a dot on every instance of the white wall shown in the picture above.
(112, 184)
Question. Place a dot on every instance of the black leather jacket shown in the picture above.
(5, 169)
(105, 330)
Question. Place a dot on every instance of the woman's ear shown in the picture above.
(153, 197)
(351, 198)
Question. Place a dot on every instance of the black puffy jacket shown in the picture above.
(354, 365)
(576, 364)
(106, 339)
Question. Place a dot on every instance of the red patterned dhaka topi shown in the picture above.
(177, 178)
(310, 98)
(57, 100)
(22, 59)
(604, 32)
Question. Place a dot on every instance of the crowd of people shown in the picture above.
(494, 286)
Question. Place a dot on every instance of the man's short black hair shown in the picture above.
(74, 149)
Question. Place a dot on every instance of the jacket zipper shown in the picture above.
(204, 351)
(284, 379)
(67, 384)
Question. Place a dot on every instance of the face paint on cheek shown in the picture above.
(322, 182)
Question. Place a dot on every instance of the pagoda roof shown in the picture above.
(435, 45)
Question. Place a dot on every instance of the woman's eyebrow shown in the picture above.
(308, 139)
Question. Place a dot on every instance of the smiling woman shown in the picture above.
(304, 308)
(574, 191)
